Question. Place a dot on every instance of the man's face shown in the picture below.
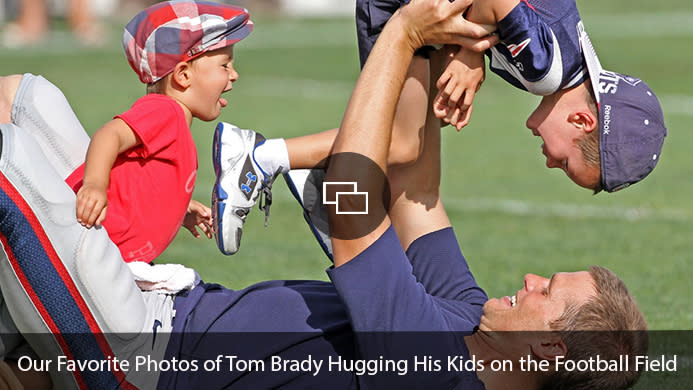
(540, 302)
(550, 121)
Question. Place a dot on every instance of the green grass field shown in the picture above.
(512, 215)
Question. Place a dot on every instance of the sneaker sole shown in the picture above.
(219, 196)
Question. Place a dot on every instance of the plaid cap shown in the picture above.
(631, 123)
(170, 32)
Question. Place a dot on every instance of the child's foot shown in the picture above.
(240, 181)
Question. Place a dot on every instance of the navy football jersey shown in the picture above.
(539, 50)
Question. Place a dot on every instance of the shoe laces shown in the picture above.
(265, 200)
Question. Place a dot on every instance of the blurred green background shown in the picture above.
(512, 215)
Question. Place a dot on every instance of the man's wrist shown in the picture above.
(401, 32)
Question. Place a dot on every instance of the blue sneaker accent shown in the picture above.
(238, 185)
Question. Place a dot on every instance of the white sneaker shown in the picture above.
(239, 183)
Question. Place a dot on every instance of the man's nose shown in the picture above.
(532, 282)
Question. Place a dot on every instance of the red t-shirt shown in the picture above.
(151, 184)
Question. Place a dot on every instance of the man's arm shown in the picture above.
(367, 122)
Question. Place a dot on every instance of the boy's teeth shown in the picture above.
(513, 300)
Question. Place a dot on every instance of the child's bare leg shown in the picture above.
(310, 151)
(416, 208)
(410, 117)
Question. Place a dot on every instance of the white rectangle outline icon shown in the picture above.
(351, 212)
(324, 190)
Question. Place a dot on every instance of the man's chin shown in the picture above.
(496, 304)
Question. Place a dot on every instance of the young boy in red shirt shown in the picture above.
(140, 168)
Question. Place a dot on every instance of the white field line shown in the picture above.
(565, 210)
(534, 209)
(640, 25)
(677, 104)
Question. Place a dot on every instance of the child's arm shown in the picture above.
(457, 85)
(198, 216)
(464, 74)
(112, 139)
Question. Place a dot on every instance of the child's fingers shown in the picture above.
(455, 97)
(95, 213)
(193, 231)
(81, 207)
(79, 211)
(443, 79)
(85, 211)
(448, 117)
(454, 117)
(102, 217)
(92, 209)
(450, 89)
(440, 107)
(206, 229)
(465, 118)
(468, 99)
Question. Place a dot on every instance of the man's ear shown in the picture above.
(583, 120)
(549, 346)
(182, 75)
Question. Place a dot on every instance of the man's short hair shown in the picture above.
(589, 143)
(610, 325)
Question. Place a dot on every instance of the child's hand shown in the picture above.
(457, 85)
(91, 205)
(198, 216)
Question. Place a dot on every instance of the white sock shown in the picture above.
(272, 156)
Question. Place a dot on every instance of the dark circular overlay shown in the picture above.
(348, 198)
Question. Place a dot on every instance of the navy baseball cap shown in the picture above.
(631, 123)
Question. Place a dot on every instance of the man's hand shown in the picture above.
(441, 22)
(91, 205)
(198, 216)
(457, 86)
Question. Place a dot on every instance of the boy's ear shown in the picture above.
(182, 75)
(584, 120)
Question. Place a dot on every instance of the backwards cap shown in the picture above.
(176, 31)
(631, 123)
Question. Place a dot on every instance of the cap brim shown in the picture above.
(594, 67)
(232, 37)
